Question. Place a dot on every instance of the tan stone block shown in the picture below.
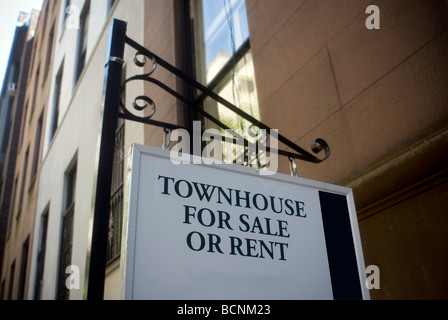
(406, 105)
(250, 4)
(303, 35)
(340, 163)
(158, 12)
(163, 44)
(266, 17)
(361, 56)
(304, 101)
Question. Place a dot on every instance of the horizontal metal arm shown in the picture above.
(317, 146)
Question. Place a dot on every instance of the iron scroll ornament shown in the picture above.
(96, 263)
(141, 58)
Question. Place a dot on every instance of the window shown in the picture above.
(65, 254)
(23, 267)
(33, 55)
(24, 171)
(22, 125)
(12, 208)
(5, 125)
(45, 16)
(2, 292)
(66, 5)
(56, 101)
(49, 51)
(224, 60)
(82, 40)
(41, 255)
(116, 199)
(11, 279)
(36, 82)
(110, 4)
(222, 30)
(37, 145)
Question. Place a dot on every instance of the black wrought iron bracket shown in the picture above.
(142, 56)
(113, 108)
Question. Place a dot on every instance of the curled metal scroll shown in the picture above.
(140, 60)
(141, 103)
(148, 102)
(139, 108)
(319, 145)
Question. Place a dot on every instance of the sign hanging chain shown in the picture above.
(293, 167)
(166, 142)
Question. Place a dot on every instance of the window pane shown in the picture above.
(238, 88)
(224, 63)
(71, 183)
(224, 30)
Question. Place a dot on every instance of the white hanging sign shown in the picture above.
(196, 231)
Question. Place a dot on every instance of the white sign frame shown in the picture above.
(139, 280)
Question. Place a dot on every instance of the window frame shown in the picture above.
(67, 228)
(227, 75)
(41, 252)
(81, 49)
(56, 101)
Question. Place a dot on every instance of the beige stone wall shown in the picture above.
(369, 93)
(163, 37)
(380, 100)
